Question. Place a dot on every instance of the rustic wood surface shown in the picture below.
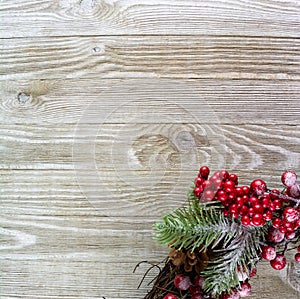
(108, 108)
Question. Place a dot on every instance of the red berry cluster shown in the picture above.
(255, 205)
(183, 284)
(285, 222)
(252, 205)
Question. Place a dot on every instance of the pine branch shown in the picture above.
(222, 272)
(202, 224)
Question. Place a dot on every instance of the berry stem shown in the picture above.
(284, 196)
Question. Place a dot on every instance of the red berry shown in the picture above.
(242, 275)
(208, 195)
(293, 191)
(198, 181)
(266, 201)
(250, 212)
(272, 206)
(217, 184)
(289, 178)
(198, 191)
(282, 229)
(268, 215)
(194, 290)
(274, 194)
(258, 208)
(290, 235)
(224, 175)
(233, 209)
(258, 187)
(257, 219)
(197, 296)
(277, 204)
(245, 290)
(229, 186)
(246, 190)
(268, 253)
(233, 177)
(170, 296)
(244, 210)
(207, 184)
(253, 272)
(232, 195)
(182, 282)
(239, 201)
(199, 281)
(204, 172)
(290, 214)
(233, 295)
(297, 257)
(246, 220)
(276, 222)
(253, 200)
(274, 235)
(279, 262)
(239, 191)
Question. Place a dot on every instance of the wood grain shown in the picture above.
(245, 147)
(95, 17)
(231, 57)
(140, 101)
(107, 108)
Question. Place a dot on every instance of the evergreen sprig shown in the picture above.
(197, 225)
(203, 225)
(240, 255)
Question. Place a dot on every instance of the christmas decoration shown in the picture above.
(224, 231)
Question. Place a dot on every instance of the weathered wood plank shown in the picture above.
(95, 17)
(138, 101)
(62, 192)
(243, 147)
(83, 254)
(221, 57)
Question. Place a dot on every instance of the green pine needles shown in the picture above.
(202, 225)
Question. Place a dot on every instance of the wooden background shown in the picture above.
(107, 110)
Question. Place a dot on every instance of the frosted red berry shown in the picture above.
(233, 295)
(182, 282)
(208, 195)
(268, 253)
(258, 187)
(275, 235)
(293, 191)
(290, 235)
(170, 296)
(297, 257)
(245, 290)
(279, 262)
(289, 178)
(291, 214)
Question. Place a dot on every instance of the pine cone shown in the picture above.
(191, 261)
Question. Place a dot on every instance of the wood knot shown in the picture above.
(24, 98)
